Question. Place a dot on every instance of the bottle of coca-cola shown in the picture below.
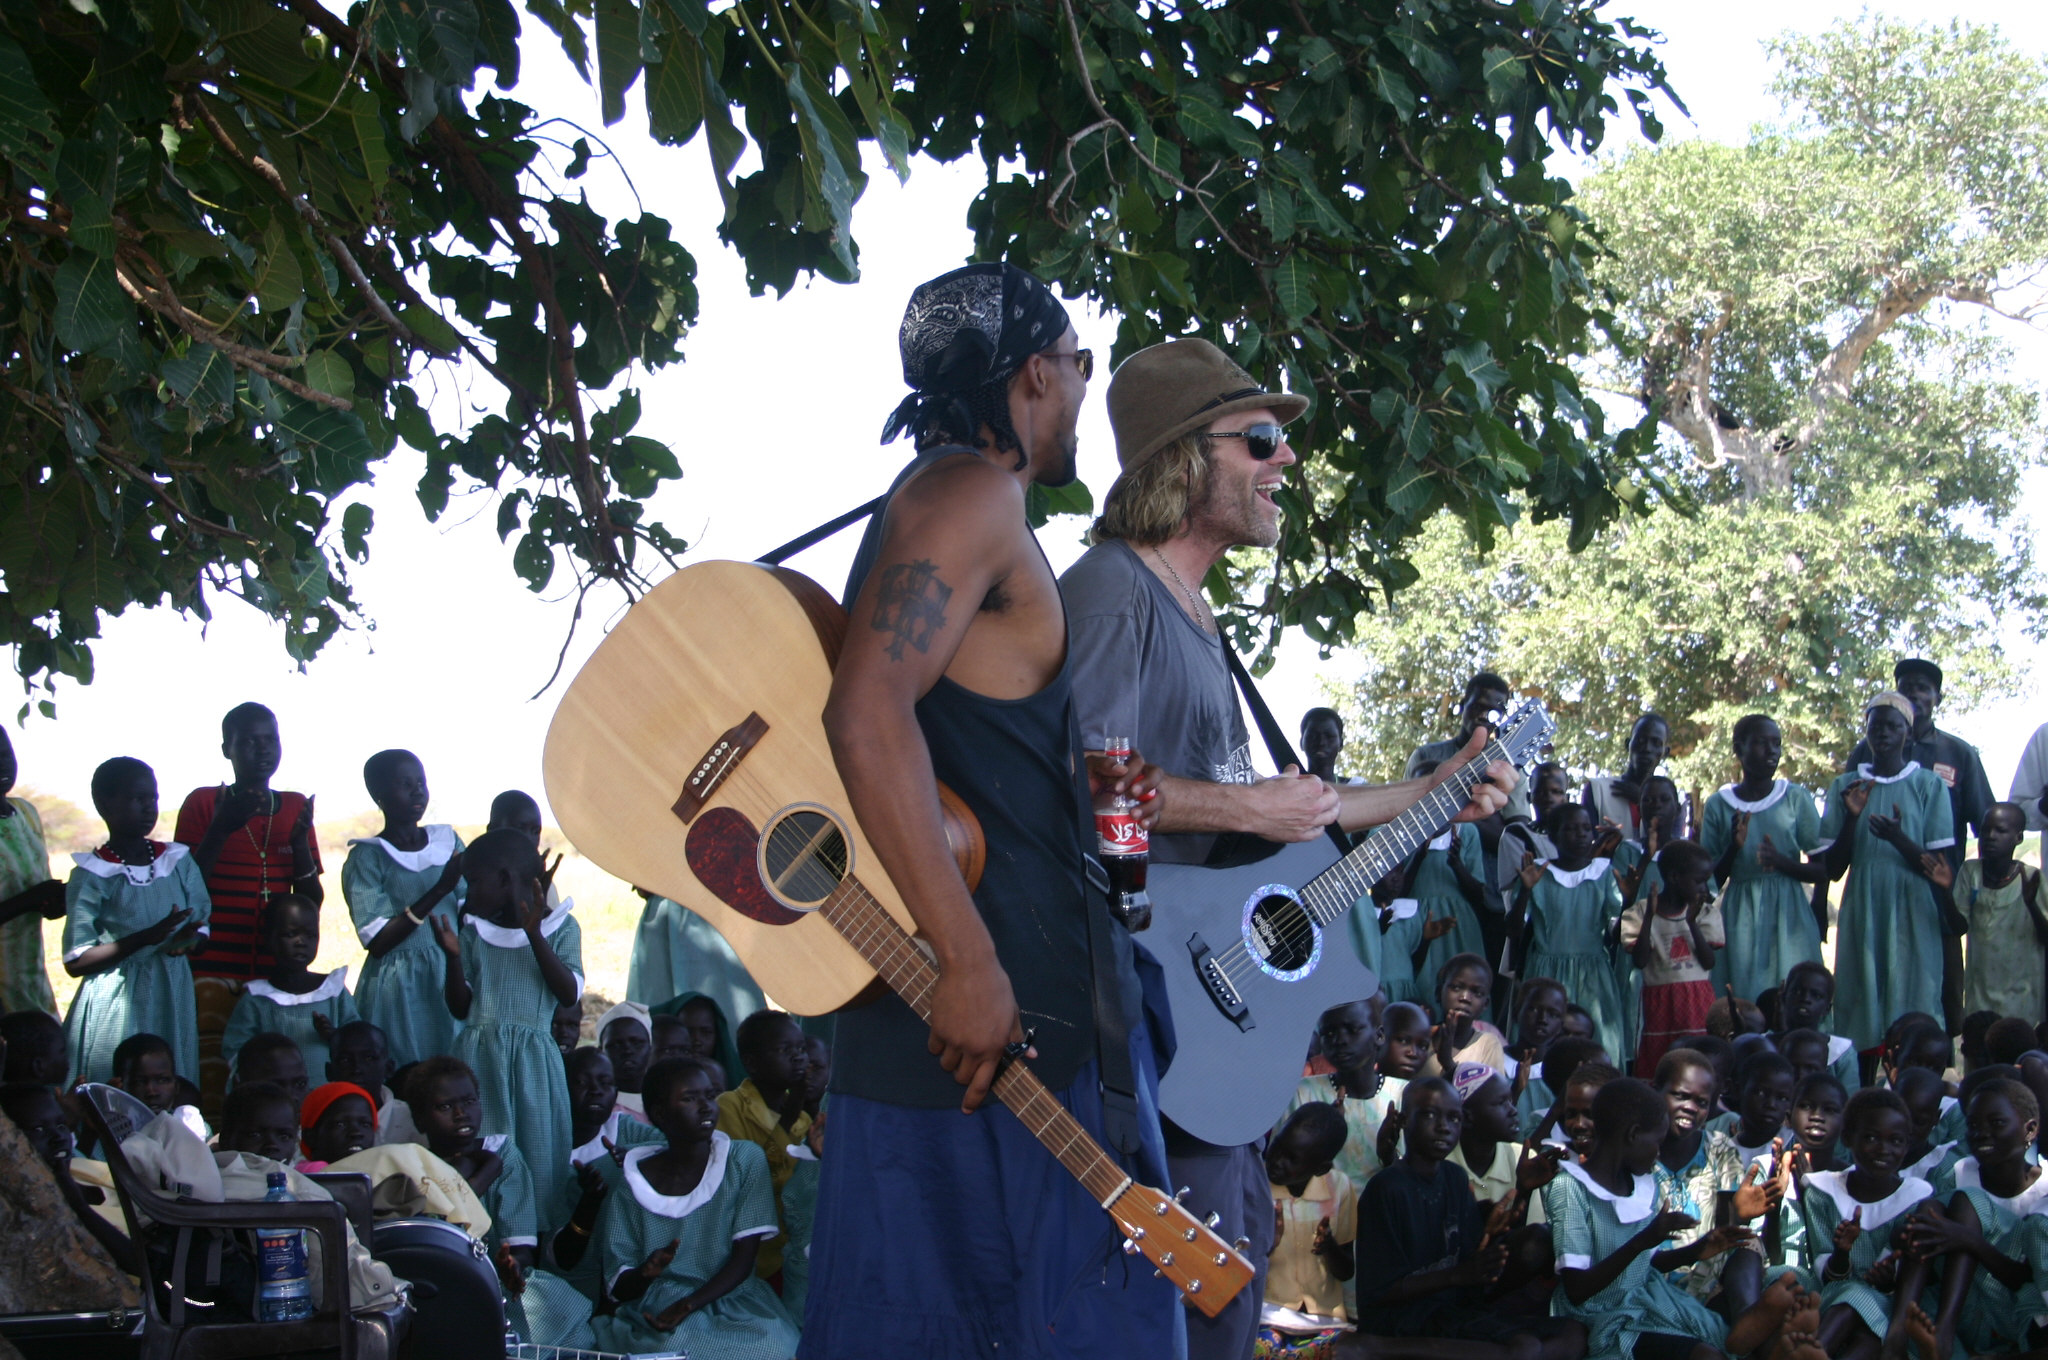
(1124, 846)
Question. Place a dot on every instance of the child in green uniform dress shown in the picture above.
(393, 882)
(135, 910)
(1804, 1001)
(1564, 911)
(1539, 1020)
(1699, 1170)
(28, 897)
(293, 1000)
(1985, 1241)
(1995, 901)
(1757, 830)
(1609, 1225)
(1851, 1218)
(513, 963)
(1881, 818)
(675, 951)
(1446, 876)
(677, 1240)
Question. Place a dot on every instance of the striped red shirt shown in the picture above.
(255, 859)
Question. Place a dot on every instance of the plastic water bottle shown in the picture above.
(284, 1291)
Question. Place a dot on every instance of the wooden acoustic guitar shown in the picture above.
(688, 757)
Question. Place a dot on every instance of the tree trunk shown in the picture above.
(52, 1264)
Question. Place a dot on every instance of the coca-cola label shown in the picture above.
(1120, 833)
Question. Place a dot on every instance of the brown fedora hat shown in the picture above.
(1165, 391)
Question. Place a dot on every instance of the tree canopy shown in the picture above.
(1802, 315)
(239, 232)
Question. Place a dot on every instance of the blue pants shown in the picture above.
(940, 1233)
(1231, 1183)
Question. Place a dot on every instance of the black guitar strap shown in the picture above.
(1277, 745)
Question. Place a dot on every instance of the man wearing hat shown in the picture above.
(944, 1227)
(1203, 452)
(1952, 759)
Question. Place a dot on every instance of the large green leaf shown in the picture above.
(618, 55)
(91, 308)
(26, 133)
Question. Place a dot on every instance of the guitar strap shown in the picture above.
(1277, 745)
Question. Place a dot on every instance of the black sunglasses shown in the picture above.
(1260, 441)
(1084, 359)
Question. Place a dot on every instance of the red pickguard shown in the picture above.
(721, 850)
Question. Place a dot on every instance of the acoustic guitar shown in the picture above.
(688, 757)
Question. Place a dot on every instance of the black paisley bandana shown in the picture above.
(965, 330)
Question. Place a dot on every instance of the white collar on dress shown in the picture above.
(1769, 800)
(594, 1149)
(138, 874)
(1867, 772)
(336, 984)
(677, 1206)
(1633, 1207)
(440, 845)
(1404, 907)
(512, 937)
(495, 1142)
(1572, 878)
(1932, 1161)
(1835, 1185)
(2032, 1200)
(1839, 1047)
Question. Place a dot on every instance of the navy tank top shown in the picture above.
(1017, 764)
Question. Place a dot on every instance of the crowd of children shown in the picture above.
(1465, 1172)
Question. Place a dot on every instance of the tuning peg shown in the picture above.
(1194, 1286)
(1180, 1194)
(1137, 1234)
(1221, 1259)
(1158, 1274)
(1190, 1234)
(1212, 1220)
(1166, 1260)
(1242, 1244)
(1160, 1208)
(1130, 1247)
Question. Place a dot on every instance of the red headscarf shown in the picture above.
(317, 1101)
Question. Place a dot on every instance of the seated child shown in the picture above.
(1317, 1211)
(626, 1033)
(1697, 1170)
(1538, 1022)
(600, 1131)
(669, 1038)
(1817, 1108)
(1976, 1029)
(448, 1110)
(1806, 1050)
(1764, 1087)
(258, 1118)
(1804, 1002)
(1408, 1032)
(710, 1033)
(1731, 1019)
(1423, 1254)
(1993, 1229)
(340, 1120)
(1575, 1113)
(1464, 991)
(1564, 1057)
(1489, 1150)
(394, 882)
(1609, 1228)
(34, 1110)
(567, 1027)
(513, 963)
(273, 1058)
(1579, 1023)
(1995, 901)
(1351, 1037)
(136, 909)
(1561, 914)
(293, 999)
(1928, 1155)
(2006, 1039)
(677, 1243)
(142, 1068)
(767, 1109)
(800, 1194)
(1720, 1056)
(1671, 936)
(32, 1043)
(358, 1055)
(1851, 1219)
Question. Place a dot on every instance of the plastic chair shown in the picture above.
(169, 1330)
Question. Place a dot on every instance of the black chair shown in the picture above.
(171, 1331)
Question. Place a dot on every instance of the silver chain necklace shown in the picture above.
(1201, 613)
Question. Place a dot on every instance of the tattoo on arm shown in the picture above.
(910, 603)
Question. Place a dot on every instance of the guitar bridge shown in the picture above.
(1217, 983)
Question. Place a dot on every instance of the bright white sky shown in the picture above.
(774, 418)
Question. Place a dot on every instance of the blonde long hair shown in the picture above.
(1150, 503)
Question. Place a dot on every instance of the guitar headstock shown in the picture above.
(1208, 1271)
(1524, 732)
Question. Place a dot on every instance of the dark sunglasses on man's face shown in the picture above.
(1084, 359)
(1260, 441)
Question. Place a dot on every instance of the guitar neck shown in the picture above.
(871, 930)
(1332, 892)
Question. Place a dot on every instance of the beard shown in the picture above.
(1064, 469)
(1233, 511)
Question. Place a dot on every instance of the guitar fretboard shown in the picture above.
(869, 928)
(1332, 892)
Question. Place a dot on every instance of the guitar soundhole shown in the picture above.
(1280, 934)
(804, 857)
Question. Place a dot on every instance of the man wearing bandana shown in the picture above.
(943, 1226)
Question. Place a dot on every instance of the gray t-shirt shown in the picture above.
(1145, 670)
